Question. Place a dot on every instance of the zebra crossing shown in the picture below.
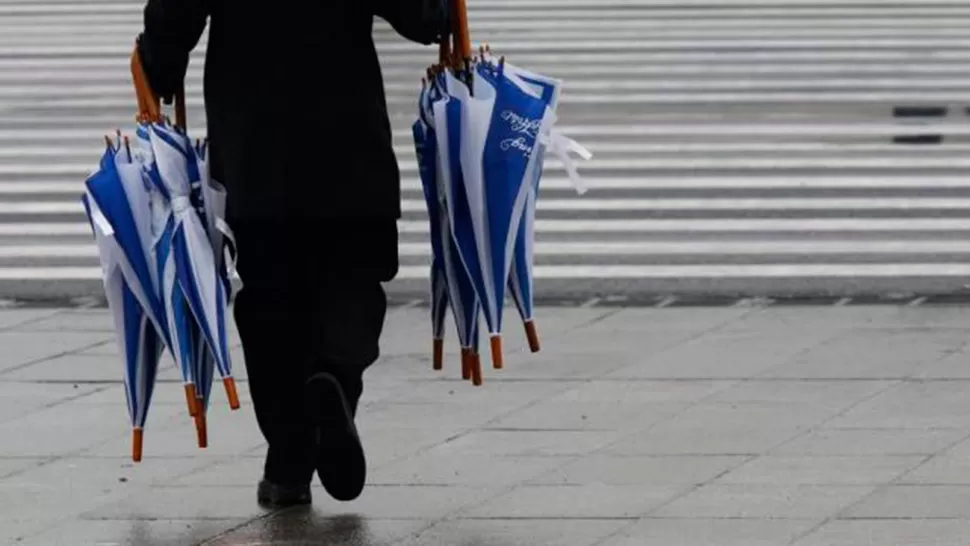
(741, 146)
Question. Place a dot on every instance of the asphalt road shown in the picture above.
(740, 147)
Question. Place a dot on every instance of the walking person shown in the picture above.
(299, 134)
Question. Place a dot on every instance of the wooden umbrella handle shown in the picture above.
(459, 31)
(445, 58)
(149, 105)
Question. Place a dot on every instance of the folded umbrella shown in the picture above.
(116, 203)
(493, 124)
(451, 286)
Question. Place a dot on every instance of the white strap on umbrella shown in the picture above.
(560, 145)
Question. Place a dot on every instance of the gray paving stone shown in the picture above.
(12, 318)
(825, 442)
(809, 502)
(72, 320)
(23, 348)
(18, 399)
(516, 532)
(813, 470)
(913, 405)
(618, 346)
(945, 469)
(577, 501)
(443, 465)
(172, 433)
(952, 366)
(890, 353)
(453, 393)
(583, 363)
(404, 502)
(915, 501)
(724, 428)
(68, 428)
(551, 415)
(784, 319)
(932, 317)
(431, 415)
(310, 527)
(728, 355)
(909, 532)
(13, 465)
(827, 394)
(524, 443)
(640, 470)
(648, 319)
(233, 471)
(181, 503)
(677, 438)
(85, 368)
(716, 426)
(643, 391)
(167, 532)
(58, 492)
(108, 472)
(387, 442)
(710, 532)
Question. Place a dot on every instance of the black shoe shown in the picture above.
(340, 459)
(271, 495)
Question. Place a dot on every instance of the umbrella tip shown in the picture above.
(496, 345)
(137, 443)
(231, 393)
(475, 363)
(466, 364)
(532, 335)
(201, 430)
(438, 354)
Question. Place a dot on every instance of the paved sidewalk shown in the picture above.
(670, 427)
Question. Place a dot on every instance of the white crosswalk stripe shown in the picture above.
(740, 145)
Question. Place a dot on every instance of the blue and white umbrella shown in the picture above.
(493, 124)
(521, 278)
(491, 131)
(194, 284)
(450, 285)
(177, 316)
(116, 201)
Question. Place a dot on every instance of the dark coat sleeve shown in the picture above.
(422, 21)
(172, 30)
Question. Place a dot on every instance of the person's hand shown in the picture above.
(164, 78)
(444, 21)
(423, 21)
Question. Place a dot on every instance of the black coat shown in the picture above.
(294, 98)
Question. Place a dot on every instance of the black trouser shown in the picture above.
(312, 301)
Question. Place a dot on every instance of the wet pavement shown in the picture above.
(671, 427)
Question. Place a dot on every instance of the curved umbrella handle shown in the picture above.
(149, 105)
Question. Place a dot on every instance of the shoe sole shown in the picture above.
(341, 463)
(269, 497)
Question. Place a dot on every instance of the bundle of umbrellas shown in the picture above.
(158, 220)
(482, 131)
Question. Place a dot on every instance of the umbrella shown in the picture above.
(182, 177)
(492, 126)
(450, 285)
(165, 286)
(116, 203)
(521, 279)
(195, 284)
